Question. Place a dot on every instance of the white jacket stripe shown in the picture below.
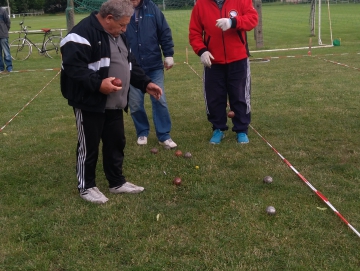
(103, 62)
(74, 38)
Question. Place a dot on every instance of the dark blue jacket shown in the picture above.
(4, 23)
(150, 36)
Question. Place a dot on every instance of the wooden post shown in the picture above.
(258, 30)
(70, 15)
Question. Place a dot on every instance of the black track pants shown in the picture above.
(228, 81)
(93, 127)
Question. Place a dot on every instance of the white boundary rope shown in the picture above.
(318, 57)
(6, 124)
(7, 73)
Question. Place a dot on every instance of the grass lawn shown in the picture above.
(306, 107)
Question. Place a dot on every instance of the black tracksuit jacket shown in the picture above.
(85, 63)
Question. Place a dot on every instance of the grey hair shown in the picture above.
(117, 8)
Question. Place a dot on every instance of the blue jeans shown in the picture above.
(4, 47)
(160, 112)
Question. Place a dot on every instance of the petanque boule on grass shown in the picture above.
(271, 210)
(154, 150)
(231, 114)
(178, 153)
(187, 155)
(268, 179)
(177, 181)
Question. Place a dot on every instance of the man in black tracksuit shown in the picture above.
(94, 53)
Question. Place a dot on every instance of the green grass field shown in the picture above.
(306, 107)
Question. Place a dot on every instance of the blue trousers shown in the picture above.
(160, 112)
(5, 55)
(228, 81)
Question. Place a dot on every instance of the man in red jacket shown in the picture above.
(217, 33)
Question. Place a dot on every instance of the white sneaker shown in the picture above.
(168, 143)
(142, 140)
(127, 188)
(94, 195)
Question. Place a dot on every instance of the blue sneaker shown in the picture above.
(242, 138)
(217, 136)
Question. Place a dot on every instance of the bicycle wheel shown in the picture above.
(52, 47)
(20, 49)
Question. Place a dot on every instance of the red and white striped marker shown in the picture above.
(320, 195)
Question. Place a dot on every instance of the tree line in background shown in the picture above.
(25, 6)
(174, 3)
(55, 6)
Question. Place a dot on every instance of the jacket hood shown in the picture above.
(141, 4)
(95, 22)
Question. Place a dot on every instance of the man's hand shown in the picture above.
(224, 23)
(107, 87)
(168, 62)
(154, 90)
(206, 58)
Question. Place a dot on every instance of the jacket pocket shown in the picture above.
(207, 41)
(239, 32)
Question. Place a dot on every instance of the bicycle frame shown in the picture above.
(21, 48)
(46, 34)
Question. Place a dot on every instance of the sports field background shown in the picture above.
(307, 107)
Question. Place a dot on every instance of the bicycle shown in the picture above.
(21, 48)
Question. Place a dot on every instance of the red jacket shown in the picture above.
(225, 46)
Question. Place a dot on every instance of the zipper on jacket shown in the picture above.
(207, 42)
(241, 37)
(223, 39)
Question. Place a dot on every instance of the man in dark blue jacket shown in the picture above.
(150, 39)
(94, 53)
(5, 56)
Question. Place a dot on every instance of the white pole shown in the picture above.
(163, 4)
(331, 37)
(9, 8)
(319, 31)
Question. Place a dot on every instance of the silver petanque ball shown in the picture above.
(187, 155)
(267, 179)
(271, 210)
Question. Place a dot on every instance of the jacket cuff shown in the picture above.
(147, 81)
(202, 51)
(233, 22)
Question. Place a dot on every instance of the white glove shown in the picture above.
(168, 62)
(224, 23)
(206, 58)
